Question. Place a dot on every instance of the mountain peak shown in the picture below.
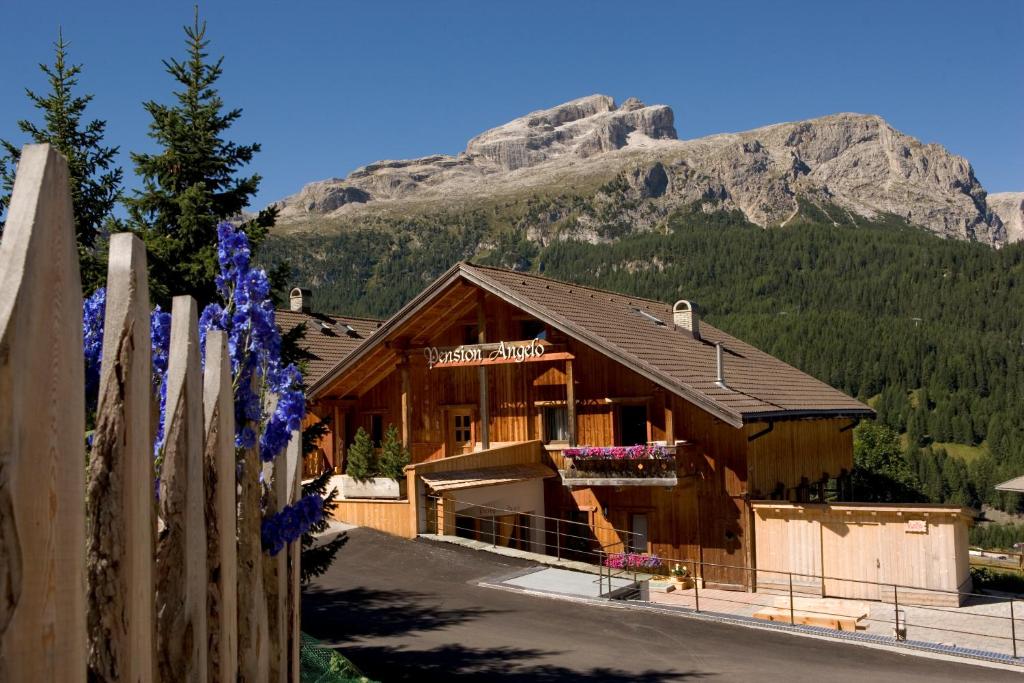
(857, 162)
(583, 127)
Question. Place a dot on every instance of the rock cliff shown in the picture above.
(1009, 206)
(854, 161)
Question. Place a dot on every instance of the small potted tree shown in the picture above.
(369, 474)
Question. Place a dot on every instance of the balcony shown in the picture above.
(618, 466)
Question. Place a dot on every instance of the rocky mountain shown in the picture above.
(1009, 206)
(628, 161)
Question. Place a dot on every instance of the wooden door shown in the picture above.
(638, 540)
(460, 432)
(850, 557)
(721, 540)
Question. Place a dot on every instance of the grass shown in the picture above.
(961, 450)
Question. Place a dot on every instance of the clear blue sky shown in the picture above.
(327, 86)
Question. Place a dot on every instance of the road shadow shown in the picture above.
(506, 664)
(336, 616)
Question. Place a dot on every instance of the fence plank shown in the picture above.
(119, 493)
(221, 510)
(253, 631)
(294, 454)
(181, 549)
(275, 568)
(42, 423)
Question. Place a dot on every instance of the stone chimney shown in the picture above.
(686, 317)
(301, 299)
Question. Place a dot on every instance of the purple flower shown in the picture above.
(93, 311)
(160, 343)
(288, 525)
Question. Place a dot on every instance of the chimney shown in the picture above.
(301, 300)
(686, 317)
(720, 366)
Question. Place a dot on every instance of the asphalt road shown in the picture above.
(410, 611)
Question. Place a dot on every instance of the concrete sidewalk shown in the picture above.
(978, 625)
(566, 582)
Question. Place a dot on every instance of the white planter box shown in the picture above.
(379, 487)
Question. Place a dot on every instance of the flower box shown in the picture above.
(384, 488)
(620, 462)
(617, 453)
(635, 561)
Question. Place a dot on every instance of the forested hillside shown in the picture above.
(929, 330)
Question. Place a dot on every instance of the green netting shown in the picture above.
(323, 665)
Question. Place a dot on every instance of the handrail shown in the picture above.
(531, 514)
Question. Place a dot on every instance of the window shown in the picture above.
(376, 429)
(632, 425)
(556, 423)
(470, 334)
(533, 329)
(463, 428)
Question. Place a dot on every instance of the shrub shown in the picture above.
(361, 463)
(393, 456)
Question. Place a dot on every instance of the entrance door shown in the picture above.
(460, 432)
(632, 425)
(638, 540)
(849, 555)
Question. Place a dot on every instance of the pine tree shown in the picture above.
(362, 461)
(393, 456)
(95, 180)
(317, 558)
(192, 183)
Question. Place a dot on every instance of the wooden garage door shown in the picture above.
(850, 555)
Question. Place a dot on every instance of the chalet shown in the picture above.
(505, 386)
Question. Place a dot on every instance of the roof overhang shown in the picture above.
(486, 476)
(1015, 485)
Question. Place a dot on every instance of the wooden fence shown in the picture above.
(98, 580)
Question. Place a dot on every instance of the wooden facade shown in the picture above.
(706, 517)
(865, 551)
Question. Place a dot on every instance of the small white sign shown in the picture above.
(917, 526)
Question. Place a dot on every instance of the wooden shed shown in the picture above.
(867, 551)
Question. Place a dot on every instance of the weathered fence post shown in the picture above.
(275, 567)
(253, 632)
(42, 425)
(181, 548)
(119, 495)
(221, 510)
(294, 453)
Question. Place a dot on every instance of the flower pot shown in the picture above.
(382, 488)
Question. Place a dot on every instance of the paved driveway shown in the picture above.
(409, 611)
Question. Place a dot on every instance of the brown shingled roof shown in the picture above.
(757, 387)
(327, 347)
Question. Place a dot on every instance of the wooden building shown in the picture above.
(486, 359)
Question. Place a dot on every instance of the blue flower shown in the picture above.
(93, 311)
(288, 525)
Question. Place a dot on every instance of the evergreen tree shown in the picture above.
(880, 472)
(317, 557)
(362, 461)
(191, 184)
(393, 456)
(95, 180)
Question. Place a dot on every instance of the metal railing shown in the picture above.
(985, 621)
